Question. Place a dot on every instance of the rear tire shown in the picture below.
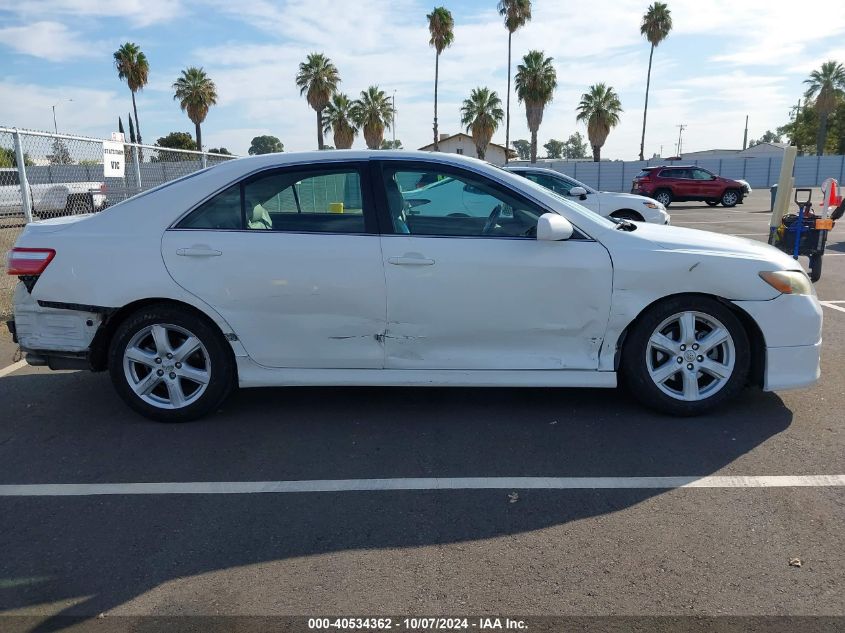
(709, 340)
(170, 365)
(712, 203)
(730, 198)
(664, 197)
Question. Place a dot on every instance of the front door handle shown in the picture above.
(410, 261)
(198, 251)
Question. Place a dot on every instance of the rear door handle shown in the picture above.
(410, 261)
(198, 251)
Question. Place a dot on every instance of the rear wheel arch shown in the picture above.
(102, 340)
(752, 331)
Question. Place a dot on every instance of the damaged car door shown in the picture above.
(474, 289)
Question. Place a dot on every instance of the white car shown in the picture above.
(622, 206)
(50, 199)
(308, 269)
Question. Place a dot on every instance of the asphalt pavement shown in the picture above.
(740, 551)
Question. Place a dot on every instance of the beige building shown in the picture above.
(463, 144)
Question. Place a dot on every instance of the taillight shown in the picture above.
(29, 261)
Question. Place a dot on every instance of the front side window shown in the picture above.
(455, 203)
(311, 201)
(558, 185)
(700, 174)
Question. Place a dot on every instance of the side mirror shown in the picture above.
(552, 227)
(578, 191)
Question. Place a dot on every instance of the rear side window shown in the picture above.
(313, 201)
(645, 173)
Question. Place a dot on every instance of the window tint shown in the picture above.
(313, 201)
(700, 174)
(223, 211)
(455, 204)
(558, 185)
(644, 173)
(324, 201)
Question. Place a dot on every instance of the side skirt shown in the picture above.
(251, 374)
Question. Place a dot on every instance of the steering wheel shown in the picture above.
(490, 224)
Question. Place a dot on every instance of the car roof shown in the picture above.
(672, 167)
(543, 170)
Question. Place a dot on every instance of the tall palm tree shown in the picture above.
(132, 65)
(535, 84)
(599, 109)
(481, 114)
(317, 79)
(827, 85)
(442, 29)
(516, 14)
(196, 93)
(656, 24)
(373, 112)
(340, 119)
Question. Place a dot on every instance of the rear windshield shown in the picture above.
(645, 173)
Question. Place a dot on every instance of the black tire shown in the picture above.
(815, 267)
(731, 198)
(664, 197)
(635, 357)
(221, 374)
(711, 203)
(627, 214)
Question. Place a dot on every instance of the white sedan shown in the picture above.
(622, 206)
(310, 269)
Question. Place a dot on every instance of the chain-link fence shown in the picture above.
(45, 175)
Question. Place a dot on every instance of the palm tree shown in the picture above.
(600, 109)
(317, 79)
(373, 112)
(516, 14)
(535, 84)
(132, 65)
(441, 26)
(196, 93)
(656, 24)
(481, 114)
(827, 85)
(340, 119)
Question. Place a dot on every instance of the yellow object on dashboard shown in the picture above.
(335, 207)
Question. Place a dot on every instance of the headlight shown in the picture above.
(789, 282)
(652, 205)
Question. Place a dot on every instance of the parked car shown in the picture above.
(681, 183)
(50, 199)
(308, 269)
(625, 206)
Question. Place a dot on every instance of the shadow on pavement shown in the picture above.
(112, 549)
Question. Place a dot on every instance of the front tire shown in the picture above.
(170, 365)
(664, 197)
(730, 198)
(686, 355)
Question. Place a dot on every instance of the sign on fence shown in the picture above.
(113, 159)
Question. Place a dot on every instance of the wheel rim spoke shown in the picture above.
(199, 376)
(146, 384)
(141, 356)
(663, 343)
(159, 334)
(715, 369)
(177, 396)
(191, 345)
(665, 372)
(716, 337)
(691, 391)
(687, 325)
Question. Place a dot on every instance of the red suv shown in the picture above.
(681, 183)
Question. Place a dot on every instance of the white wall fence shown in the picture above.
(760, 173)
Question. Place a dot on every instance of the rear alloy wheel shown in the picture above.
(730, 198)
(170, 365)
(686, 356)
(664, 197)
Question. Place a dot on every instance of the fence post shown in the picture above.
(204, 161)
(26, 200)
(816, 182)
(136, 160)
(769, 173)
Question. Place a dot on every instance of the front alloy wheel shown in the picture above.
(686, 355)
(730, 198)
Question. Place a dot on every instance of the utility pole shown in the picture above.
(681, 129)
(55, 126)
(745, 136)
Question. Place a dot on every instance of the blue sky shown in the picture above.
(723, 60)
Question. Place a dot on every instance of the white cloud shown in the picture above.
(138, 12)
(48, 40)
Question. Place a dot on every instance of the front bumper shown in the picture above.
(792, 327)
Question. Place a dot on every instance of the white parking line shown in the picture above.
(12, 368)
(425, 483)
(750, 221)
(832, 306)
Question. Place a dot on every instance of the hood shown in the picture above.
(674, 238)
